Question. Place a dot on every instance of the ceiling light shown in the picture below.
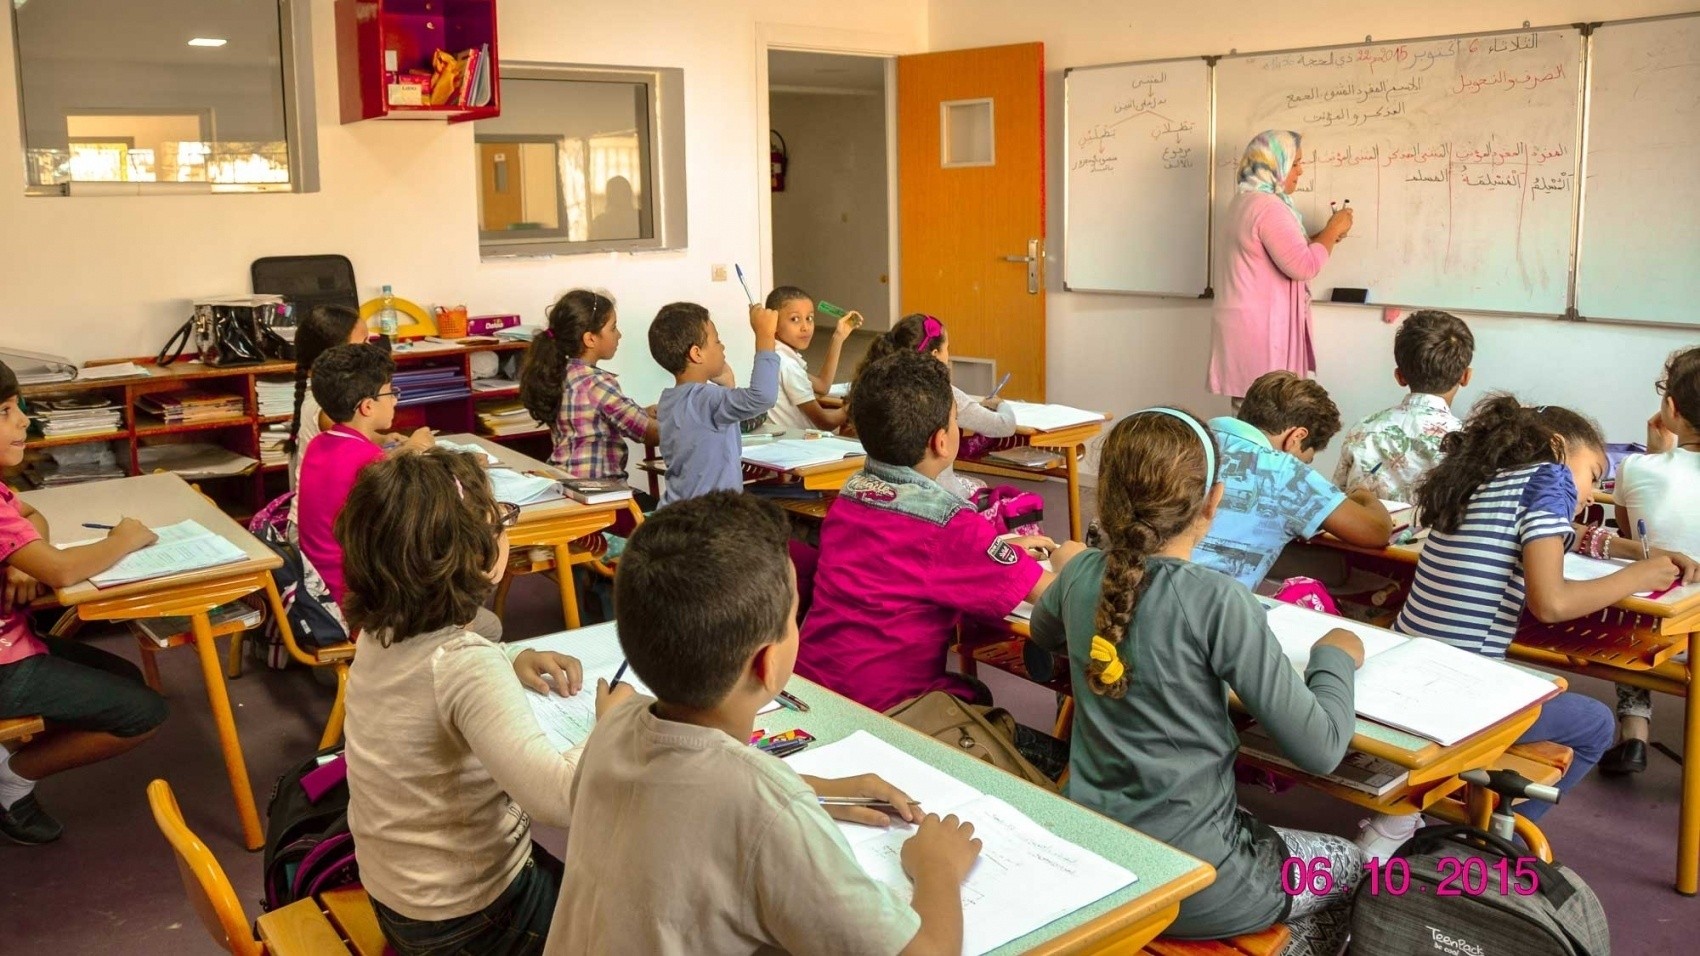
(208, 41)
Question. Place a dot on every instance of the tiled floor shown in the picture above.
(109, 886)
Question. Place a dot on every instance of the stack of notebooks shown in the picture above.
(191, 406)
(596, 491)
(505, 418)
(276, 396)
(272, 451)
(81, 415)
(73, 465)
(422, 386)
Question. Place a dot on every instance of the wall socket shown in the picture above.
(717, 272)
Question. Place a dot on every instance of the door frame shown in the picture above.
(808, 39)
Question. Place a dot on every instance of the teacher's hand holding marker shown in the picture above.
(1339, 223)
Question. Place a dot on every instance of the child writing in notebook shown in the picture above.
(1155, 642)
(352, 384)
(1659, 491)
(882, 622)
(1500, 509)
(1390, 451)
(685, 839)
(700, 414)
(1272, 495)
(94, 704)
(588, 416)
(798, 406)
(447, 766)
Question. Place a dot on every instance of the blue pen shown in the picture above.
(1641, 532)
(618, 674)
(1377, 467)
(747, 293)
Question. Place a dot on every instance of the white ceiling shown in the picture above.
(793, 70)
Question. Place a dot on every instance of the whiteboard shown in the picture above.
(1640, 257)
(1137, 184)
(1458, 157)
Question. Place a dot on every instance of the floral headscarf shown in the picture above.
(1267, 161)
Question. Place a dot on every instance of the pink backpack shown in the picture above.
(1011, 510)
(1307, 592)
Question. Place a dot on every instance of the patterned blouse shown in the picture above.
(1388, 452)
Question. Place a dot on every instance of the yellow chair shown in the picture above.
(209, 890)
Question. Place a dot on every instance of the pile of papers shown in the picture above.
(272, 440)
(422, 386)
(505, 418)
(193, 460)
(83, 415)
(73, 465)
(100, 373)
(38, 368)
(276, 396)
(191, 406)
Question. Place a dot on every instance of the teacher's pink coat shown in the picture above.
(1262, 315)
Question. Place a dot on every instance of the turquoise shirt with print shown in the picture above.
(1268, 499)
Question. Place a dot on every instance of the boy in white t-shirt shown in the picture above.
(1662, 489)
(799, 404)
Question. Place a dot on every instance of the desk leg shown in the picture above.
(234, 763)
(1688, 829)
(1075, 531)
(569, 594)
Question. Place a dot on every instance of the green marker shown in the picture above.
(827, 308)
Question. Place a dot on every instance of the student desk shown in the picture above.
(1071, 441)
(826, 476)
(1121, 922)
(158, 500)
(1635, 641)
(551, 524)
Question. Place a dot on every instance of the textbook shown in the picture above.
(596, 491)
(182, 547)
(1358, 771)
(163, 629)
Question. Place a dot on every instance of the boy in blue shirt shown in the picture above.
(1271, 494)
(699, 415)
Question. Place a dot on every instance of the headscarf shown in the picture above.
(1267, 161)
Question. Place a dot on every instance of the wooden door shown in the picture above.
(971, 211)
(499, 176)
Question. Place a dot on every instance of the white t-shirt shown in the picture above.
(795, 391)
(1663, 490)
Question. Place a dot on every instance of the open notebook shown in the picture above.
(1044, 418)
(788, 454)
(1580, 567)
(1423, 687)
(182, 547)
(1026, 875)
(522, 489)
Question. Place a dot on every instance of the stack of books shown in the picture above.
(596, 491)
(276, 396)
(505, 418)
(191, 406)
(73, 465)
(422, 386)
(272, 451)
(82, 415)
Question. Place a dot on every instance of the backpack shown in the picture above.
(1011, 510)
(985, 733)
(1455, 905)
(309, 848)
(314, 617)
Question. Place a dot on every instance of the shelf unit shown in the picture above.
(242, 495)
(414, 29)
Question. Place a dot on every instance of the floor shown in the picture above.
(110, 884)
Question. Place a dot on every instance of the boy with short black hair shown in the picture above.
(1390, 451)
(1271, 493)
(699, 416)
(882, 622)
(733, 852)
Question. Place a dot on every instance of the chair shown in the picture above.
(209, 890)
(1266, 943)
(20, 729)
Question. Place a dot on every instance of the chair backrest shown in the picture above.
(209, 890)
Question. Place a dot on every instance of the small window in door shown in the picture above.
(965, 135)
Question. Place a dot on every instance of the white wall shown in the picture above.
(829, 225)
(96, 277)
(1121, 353)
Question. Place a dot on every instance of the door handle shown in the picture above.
(1032, 258)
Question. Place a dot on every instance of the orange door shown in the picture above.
(971, 203)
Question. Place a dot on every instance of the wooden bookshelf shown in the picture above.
(244, 494)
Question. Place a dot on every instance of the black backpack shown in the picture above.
(309, 848)
(313, 617)
(1471, 893)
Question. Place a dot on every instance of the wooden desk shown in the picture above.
(1635, 641)
(1071, 441)
(158, 500)
(1121, 922)
(551, 524)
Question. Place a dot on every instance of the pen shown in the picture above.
(618, 674)
(98, 527)
(1001, 383)
(788, 699)
(1641, 531)
(747, 293)
(875, 802)
(1377, 467)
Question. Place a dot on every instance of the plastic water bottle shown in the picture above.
(388, 319)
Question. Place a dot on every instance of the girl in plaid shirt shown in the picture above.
(588, 416)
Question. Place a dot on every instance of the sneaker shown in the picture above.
(1385, 834)
(27, 823)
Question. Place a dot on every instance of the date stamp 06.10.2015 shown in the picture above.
(1453, 876)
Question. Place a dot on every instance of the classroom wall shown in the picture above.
(1121, 353)
(830, 231)
(96, 277)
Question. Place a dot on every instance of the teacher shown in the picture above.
(1262, 315)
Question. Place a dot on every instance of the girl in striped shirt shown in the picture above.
(1500, 508)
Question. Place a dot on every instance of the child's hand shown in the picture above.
(1065, 552)
(849, 323)
(991, 404)
(132, 534)
(1037, 546)
(609, 697)
(18, 591)
(866, 785)
(947, 843)
(565, 674)
(1689, 567)
(1654, 574)
(1345, 640)
(421, 440)
(764, 322)
(1659, 438)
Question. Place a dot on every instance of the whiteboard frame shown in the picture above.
(1210, 180)
(1575, 313)
(1583, 29)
